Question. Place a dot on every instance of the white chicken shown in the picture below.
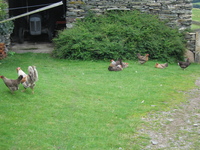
(30, 79)
(113, 63)
(24, 80)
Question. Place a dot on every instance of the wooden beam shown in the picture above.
(34, 11)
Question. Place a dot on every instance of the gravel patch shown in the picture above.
(178, 128)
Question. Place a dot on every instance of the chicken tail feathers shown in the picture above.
(120, 62)
(33, 74)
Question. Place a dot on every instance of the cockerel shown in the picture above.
(13, 85)
(30, 79)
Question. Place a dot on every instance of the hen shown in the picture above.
(115, 68)
(142, 59)
(161, 66)
(183, 64)
(13, 85)
(119, 62)
(30, 79)
(113, 62)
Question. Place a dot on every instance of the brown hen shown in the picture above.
(142, 59)
(161, 66)
(13, 85)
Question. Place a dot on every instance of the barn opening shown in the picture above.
(41, 25)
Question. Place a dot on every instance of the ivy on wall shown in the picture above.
(6, 27)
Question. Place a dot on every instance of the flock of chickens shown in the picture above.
(119, 65)
(27, 80)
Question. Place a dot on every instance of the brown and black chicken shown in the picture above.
(13, 85)
(119, 62)
(114, 66)
(183, 64)
(142, 59)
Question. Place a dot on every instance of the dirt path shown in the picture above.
(178, 129)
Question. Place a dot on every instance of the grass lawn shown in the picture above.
(195, 17)
(196, 14)
(81, 105)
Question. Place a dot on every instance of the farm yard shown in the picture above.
(78, 104)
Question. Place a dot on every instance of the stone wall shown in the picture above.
(197, 47)
(5, 39)
(179, 12)
(191, 41)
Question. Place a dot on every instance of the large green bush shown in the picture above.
(121, 34)
(6, 27)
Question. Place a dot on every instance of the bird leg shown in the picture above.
(32, 90)
(24, 90)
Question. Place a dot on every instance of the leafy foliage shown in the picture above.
(196, 5)
(195, 1)
(6, 27)
(120, 34)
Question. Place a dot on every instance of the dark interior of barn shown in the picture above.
(42, 23)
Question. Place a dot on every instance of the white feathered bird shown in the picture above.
(30, 79)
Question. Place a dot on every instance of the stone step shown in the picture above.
(34, 47)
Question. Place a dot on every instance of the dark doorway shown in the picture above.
(38, 26)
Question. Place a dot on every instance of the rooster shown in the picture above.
(13, 85)
(183, 64)
(142, 59)
(30, 79)
(161, 66)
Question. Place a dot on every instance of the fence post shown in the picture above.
(197, 48)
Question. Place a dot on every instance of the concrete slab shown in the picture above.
(34, 47)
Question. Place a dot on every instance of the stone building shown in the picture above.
(179, 12)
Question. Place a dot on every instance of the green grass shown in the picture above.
(81, 105)
(198, 3)
(195, 17)
(196, 14)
